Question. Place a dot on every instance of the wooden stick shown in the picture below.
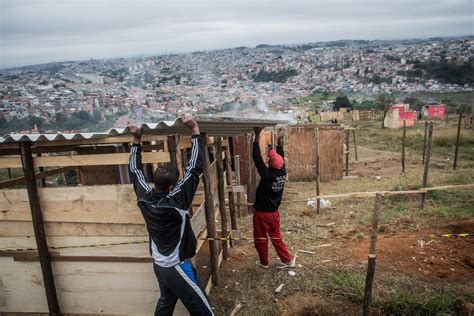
(40, 235)
(251, 173)
(318, 176)
(424, 142)
(210, 218)
(427, 162)
(372, 257)
(347, 152)
(458, 137)
(403, 145)
(355, 145)
(234, 310)
(221, 195)
(385, 193)
(230, 194)
(237, 182)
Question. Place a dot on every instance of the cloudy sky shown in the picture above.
(39, 31)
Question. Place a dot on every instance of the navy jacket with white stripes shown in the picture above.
(166, 215)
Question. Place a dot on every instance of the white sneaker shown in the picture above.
(291, 264)
(258, 263)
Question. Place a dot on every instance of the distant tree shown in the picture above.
(342, 102)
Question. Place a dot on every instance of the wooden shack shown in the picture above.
(84, 249)
(301, 152)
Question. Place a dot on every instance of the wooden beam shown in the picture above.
(39, 175)
(210, 218)
(372, 256)
(230, 195)
(427, 162)
(458, 137)
(318, 170)
(221, 195)
(33, 256)
(40, 236)
(86, 160)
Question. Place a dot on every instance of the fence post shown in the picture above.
(38, 226)
(424, 142)
(318, 170)
(458, 137)
(427, 163)
(369, 279)
(230, 195)
(355, 145)
(237, 182)
(221, 194)
(347, 151)
(210, 218)
(403, 145)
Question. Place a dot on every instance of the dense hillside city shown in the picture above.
(95, 94)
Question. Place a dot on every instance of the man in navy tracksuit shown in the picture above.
(165, 210)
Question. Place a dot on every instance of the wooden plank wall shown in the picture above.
(301, 153)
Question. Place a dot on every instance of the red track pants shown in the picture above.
(268, 223)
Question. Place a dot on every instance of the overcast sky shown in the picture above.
(39, 31)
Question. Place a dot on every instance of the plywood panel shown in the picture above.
(301, 153)
(83, 287)
(15, 228)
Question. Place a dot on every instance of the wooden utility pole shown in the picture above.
(424, 141)
(458, 138)
(369, 279)
(318, 170)
(230, 195)
(403, 145)
(221, 194)
(38, 226)
(427, 162)
(210, 218)
(355, 146)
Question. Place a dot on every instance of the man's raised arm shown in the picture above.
(135, 167)
(183, 192)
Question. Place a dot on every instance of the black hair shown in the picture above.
(165, 176)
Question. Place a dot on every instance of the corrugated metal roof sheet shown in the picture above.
(213, 126)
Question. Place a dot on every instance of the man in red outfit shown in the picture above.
(266, 218)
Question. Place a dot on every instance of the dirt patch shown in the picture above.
(423, 252)
(307, 305)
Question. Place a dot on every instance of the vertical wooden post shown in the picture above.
(369, 279)
(230, 195)
(472, 116)
(446, 115)
(347, 151)
(43, 180)
(172, 146)
(427, 163)
(251, 174)
(10, 176)
(355, 146)
(424, 141)
(237, 182)
(221, 195)
(403, 145)
(318, 170)
(210, 218)
(40, 235)
(458, 137)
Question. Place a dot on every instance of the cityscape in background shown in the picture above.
(270, 81)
